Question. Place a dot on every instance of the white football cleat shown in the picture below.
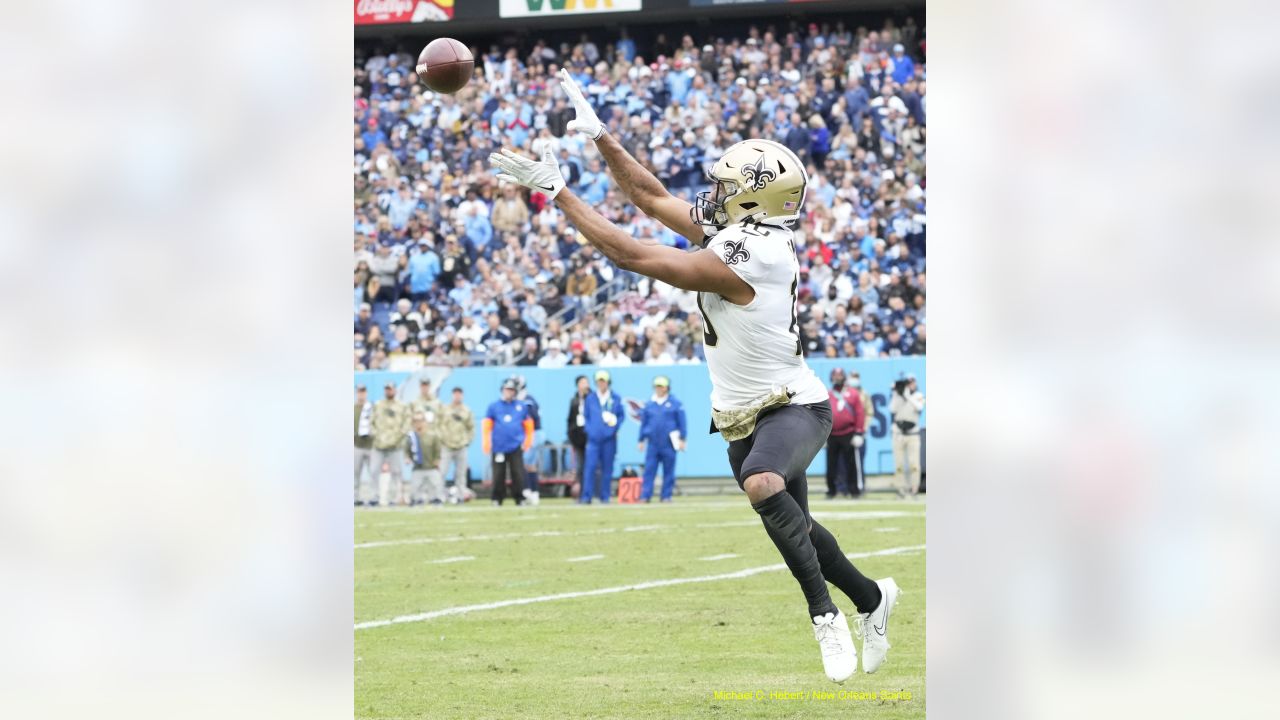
(839, 656)
(875, 626)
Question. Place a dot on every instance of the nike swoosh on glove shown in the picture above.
(542, 176)
(585, 121)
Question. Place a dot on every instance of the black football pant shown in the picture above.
(510, 469)
(841, 456)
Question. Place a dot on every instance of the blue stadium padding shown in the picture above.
(705, 456)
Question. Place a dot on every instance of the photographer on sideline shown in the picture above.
(906, 406)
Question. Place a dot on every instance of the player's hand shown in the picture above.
(858, 440)
(586, 121)
(683, 445)
(542, 176)
(640, 445)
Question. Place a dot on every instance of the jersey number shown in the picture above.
(795, 318)
(708, 332)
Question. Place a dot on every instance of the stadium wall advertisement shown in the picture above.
(381, 12)
(544, 8)
(705, 456)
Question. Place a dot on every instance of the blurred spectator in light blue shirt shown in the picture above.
(424, 266)
(870, 345)
(461, 292)
(626, 46)
(594, 183)
(400, 207)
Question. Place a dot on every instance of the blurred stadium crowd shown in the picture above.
(451, 267)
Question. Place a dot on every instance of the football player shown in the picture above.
(766, 402)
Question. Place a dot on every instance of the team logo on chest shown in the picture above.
(758, 175)
(735, 252)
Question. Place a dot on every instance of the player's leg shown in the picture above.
(838, 571)
(668, 462)
(783, 444)
(650, 471)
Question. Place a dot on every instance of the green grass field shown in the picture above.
(661, 651)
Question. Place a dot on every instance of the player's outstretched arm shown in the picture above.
(699, 271)
(640, 186)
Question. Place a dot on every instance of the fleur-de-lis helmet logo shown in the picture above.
(735, 252)
(758, 175)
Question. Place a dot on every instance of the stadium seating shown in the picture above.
(846, 100)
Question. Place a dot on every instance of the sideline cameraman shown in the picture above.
(906, 406)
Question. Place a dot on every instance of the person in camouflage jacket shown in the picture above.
(422, 447)
(457, 429)
(390, 423)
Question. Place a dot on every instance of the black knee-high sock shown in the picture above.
(787, 527)
(837, 569)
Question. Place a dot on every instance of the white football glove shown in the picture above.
(857, 441)
(542, 176)
(586, 121)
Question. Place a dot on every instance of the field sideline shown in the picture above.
(650, 611)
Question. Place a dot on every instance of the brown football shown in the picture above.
(445, 65)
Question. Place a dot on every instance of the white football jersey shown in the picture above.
(754, 348)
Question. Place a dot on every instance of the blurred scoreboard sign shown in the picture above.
(705, 3)
(380, 12)
(555, 8)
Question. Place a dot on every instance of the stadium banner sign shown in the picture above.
(560, 8)
(705, 456)
(386, 12)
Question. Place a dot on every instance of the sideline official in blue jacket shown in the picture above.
(603, 413)
(662, 416)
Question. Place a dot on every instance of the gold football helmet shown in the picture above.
(757, 181)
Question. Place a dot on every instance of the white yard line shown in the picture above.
(891, 529)
(585, 558)
(507, 536)
(865, 515)
(464, 609)
(459, 558)
(726, 556)
(680, 505)
(821, 515)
